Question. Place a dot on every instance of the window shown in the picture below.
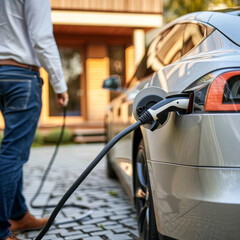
(169, 47)
(165, 48)
(117, 60)
(193, 35)
(73, 71)
(117, 64)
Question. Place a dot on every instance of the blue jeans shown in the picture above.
(20, 104)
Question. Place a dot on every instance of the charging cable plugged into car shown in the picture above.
(151, 108)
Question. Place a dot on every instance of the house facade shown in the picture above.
(96, 38)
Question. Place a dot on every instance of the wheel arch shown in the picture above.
(138, 135)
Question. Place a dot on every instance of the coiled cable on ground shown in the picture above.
(45, 175)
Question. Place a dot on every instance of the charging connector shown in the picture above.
(160, 110)
(170, 104)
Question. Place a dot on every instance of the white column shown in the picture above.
(139, 44)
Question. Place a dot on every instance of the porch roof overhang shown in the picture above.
(106, 19)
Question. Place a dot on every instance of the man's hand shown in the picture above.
(61, 99)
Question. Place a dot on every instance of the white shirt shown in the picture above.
(26, 36)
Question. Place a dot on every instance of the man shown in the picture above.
(26, 43)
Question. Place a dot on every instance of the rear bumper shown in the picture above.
(196, 202)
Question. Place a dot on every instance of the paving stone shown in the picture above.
(96, 220)
(32, 234)
(107, 223)
(119, 237)
(134, 232)
(112, 217)
(89, 230)
(57, 231)
(118, 217)
(101, 214)
(101, 233)
(71, 233)
(121, 230)
(129, 223)
(67, 225)
(110, 227)
(76, 237)
(93, 238)
(50, 237)
(81, 227)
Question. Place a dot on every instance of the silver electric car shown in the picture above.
(184, 176)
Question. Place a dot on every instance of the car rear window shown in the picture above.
(193, 35)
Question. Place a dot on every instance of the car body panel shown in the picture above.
(196, 203)
(122, 154)
(193, 160)
(186, 139)
(229, 26)
(207, 57)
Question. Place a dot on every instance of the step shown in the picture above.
(89, 135)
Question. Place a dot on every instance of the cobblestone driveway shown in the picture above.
(112, 213)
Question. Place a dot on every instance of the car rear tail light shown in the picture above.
(217, 92)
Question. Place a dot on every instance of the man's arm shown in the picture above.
(40, 29)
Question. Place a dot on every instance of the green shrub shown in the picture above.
(38, 139)
(53, 136)
(113, 193)
(1, 137)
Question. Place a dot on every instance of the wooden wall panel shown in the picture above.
(130, 62)
(135, 6)
(97, 98)
(97, 69)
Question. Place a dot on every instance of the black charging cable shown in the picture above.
(45, 175)
(50, 163)
(84, 175)
(171, 104)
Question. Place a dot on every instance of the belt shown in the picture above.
(17, 64)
